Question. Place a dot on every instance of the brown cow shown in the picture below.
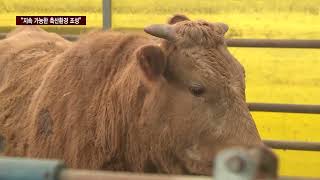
(120, 101)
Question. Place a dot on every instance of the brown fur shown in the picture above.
(25, 56)
(120, 102)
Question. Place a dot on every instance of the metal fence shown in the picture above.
(229, 164)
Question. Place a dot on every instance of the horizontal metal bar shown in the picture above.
(105, 175)
(270, 43)
(70, 174)
(289, 108)
(293, 145)
(16, 168)
(71, 37)
(273, 43)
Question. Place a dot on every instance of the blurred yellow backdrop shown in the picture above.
(273, 75)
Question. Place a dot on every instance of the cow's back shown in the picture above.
(25, 56)
(75, 114)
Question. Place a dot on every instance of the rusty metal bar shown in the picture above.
(288, 108)
(293, 145)
(70, 174)
(105, 175)
(273, 43)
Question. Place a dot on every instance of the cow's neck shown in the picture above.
(125, 94)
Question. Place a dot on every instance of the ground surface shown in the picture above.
(273, 75)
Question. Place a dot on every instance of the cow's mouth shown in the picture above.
(195, 167)
(266, 160)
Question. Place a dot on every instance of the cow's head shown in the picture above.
(196, 103)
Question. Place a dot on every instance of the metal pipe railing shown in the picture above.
(70, 174)
(273, 43)
(14, 168)
(293, 145)
(288, 108)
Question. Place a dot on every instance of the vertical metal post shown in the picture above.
(107, 14)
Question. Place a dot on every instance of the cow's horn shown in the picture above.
(164, 31)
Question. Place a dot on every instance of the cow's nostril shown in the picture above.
(267, 162)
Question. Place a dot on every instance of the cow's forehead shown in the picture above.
(203, 65)
(198, 33)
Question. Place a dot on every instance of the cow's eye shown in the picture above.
(196, 89)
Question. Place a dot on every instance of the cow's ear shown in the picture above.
(152, 61)
(223, 28)
(178, 18)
